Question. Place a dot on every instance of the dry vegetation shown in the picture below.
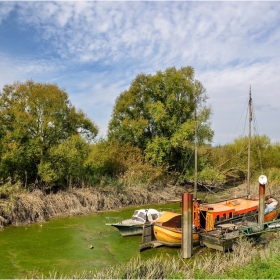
(24, 208)
(35, 206)
(164, 268)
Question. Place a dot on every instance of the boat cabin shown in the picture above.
(206, 215)
(142, 215)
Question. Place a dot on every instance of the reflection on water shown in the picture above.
(64, 245)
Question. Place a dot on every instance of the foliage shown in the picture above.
(35, 118)
(231, 160)
(272, 156)
(273, 175)
(211, 176)
(8, 189)
(65, 163)
(124, 162)
(157, 114)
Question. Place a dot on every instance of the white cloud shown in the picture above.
(5, 9)
(94, 49)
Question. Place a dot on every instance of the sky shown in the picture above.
(95, 49)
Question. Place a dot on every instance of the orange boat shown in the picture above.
(168, 230)
(206, 216)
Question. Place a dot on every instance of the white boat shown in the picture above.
(134, 225)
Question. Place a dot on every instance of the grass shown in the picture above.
(244, 262)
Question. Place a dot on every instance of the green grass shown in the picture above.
(245, 262)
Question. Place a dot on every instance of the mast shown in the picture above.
(195, 157)
(249, 143)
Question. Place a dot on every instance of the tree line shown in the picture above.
(45, 142)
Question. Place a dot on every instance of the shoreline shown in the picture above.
(34, 207)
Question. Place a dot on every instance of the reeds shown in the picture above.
(215, 265)
(26, 208)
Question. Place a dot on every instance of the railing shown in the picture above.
(254, 228)
(113, 220)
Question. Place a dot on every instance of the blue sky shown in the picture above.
(95, 49)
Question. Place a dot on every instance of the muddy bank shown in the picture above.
(36, 207)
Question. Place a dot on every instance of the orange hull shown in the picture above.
(172, 236)
(270, 216)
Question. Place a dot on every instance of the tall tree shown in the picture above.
(157, 114)
(34, 117)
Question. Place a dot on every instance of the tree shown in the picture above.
(123, 164)
(231, 160)
(157, 114)
(65, 163)
(35, 117)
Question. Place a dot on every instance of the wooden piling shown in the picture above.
(187, 225)
(262, 182)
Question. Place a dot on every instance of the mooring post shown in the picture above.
(262, 182)
(187, 225)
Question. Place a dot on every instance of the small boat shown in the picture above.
(168, 230)
(134, 225)
(221, 238)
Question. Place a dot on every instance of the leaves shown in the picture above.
(156, 114)
(35, 117)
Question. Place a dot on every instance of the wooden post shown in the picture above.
(187, 225)
(262, 182)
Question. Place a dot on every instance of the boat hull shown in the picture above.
(222, 238)
(215, 243)
(172, 237)
(270, 216)
(134, 225)
(129, 230)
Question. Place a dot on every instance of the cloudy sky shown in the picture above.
(95, 49)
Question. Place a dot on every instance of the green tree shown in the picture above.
(64, 165)
(123, 164)
(231, 160)
(34, 118)
(157, 114)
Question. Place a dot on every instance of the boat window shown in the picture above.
(230, 214)
(154, 216)
(142, 215)
(139, 219)
(202, 218)
(224, 217)
(139, 216)
(218, 218)
(135, 213)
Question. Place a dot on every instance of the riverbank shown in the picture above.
(32, 207)
(27, 208)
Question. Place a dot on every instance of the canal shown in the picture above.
(64, 245)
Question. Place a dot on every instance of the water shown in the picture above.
(63, 245)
